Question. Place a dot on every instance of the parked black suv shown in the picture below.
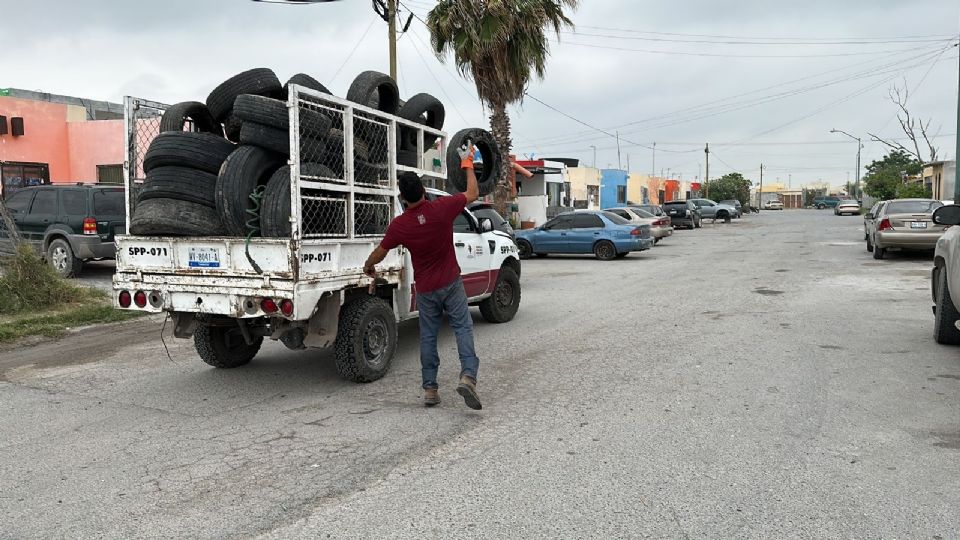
(69, 224)
(683, 213)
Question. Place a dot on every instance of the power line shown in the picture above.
(633, 30)
(729, 55)
(745, 42)
(352, 51)
(442, 89)
(607, 133)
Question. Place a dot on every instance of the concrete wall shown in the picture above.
(635, 187)
(611, 180)
(60, 136)
(533, 208)
(580, 178)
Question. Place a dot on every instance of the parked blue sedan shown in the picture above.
(606, 235)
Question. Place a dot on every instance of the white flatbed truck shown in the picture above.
(307, 291)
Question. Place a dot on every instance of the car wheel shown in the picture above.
(869, 245)
(604, 250)
(503, 304)
(944, 329)
(865, 235)
(524, 249)
(656, 241)
(878, 252)
(622, 255)
(224, 346)
(60, 256)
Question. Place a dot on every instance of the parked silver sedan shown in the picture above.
(660, 227)
(903, 224)
(847, 206)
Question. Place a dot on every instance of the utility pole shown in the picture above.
(760, 191)
(392, 23)
(706, 179)
(653, 167)
(789, 180)
(619, 166)
(594, 156)
(628, 161)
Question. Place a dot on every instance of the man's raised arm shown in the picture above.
(466, 163)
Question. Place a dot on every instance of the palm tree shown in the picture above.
(501, 44)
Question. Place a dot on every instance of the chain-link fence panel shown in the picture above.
(323, 213)
(142, 120)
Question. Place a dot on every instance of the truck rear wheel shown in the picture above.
(503, 304)
(224, 346)
(366, 339)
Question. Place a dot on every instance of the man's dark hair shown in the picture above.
(411, 188)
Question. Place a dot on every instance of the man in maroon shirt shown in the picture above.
(426, 229)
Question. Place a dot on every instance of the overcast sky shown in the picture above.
(675, 73)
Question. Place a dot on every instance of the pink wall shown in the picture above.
(92, 144)
(71, 149)
(45, 138)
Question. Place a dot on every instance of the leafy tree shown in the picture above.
(501, 44)
(913, 190)
(730, 186)
(884, 177)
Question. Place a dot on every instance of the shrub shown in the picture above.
(27, 283)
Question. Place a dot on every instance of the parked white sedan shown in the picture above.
(773, 205)
(848, 206)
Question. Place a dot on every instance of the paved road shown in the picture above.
(765, 378)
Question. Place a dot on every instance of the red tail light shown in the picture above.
(660, 223)
(884, 225)
(268, 306)
(89, 226)
(635, 232)
(286, 307)
(124, 299)
(140, 299)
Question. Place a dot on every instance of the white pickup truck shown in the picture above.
(308, 290)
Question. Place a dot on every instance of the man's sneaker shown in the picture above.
(431, 397)
(468, 389)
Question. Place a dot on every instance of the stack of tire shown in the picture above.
(227, 174)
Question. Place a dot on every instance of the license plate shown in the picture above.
(673, 212)
(918, 224)
(200, 257)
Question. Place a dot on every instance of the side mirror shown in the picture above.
(486, 225)
(868, 215)
(947, 215)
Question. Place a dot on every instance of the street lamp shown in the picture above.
(856, 190)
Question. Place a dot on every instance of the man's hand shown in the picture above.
(370, 267)
(466, 153)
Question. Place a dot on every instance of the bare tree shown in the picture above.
(915, 130)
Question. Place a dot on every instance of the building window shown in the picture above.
(110, 174)
(15, 175)
(621, 194)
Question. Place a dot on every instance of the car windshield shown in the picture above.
(642, 213)
(912, 207)
(731, 203)
(617, 220)
(849, 202)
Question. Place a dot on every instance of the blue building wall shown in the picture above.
(610, 180)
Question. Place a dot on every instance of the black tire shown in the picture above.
(333, 154)
(503, 304)
(172, 217)
(375, 90)
(407, 157)
(604, 250)
(232, 126)
(369, 173)
(878, 252)
(266, 137)
(366, 339)
(422, 109)
(306, 81)
(259, 81)
(944, 328)
(245, 169)
(177, 115)
(692, 225)
(61, 258)
(180, 183)
(201, 151)
(698, 224)
(869, 245)
(725, 216)
(275, 205)
(656, 241)
(489, 151)
(524, 249)
(224, 347)
(542, 255)
(274, 113)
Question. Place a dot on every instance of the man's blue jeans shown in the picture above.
(453, 300)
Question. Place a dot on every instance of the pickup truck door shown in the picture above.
(586, 230)
(473, 255)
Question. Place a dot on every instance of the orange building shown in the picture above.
(46, 138)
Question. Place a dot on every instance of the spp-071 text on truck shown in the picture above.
(308, 290)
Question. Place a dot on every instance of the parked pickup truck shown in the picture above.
(825, 202)
(308, 290)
